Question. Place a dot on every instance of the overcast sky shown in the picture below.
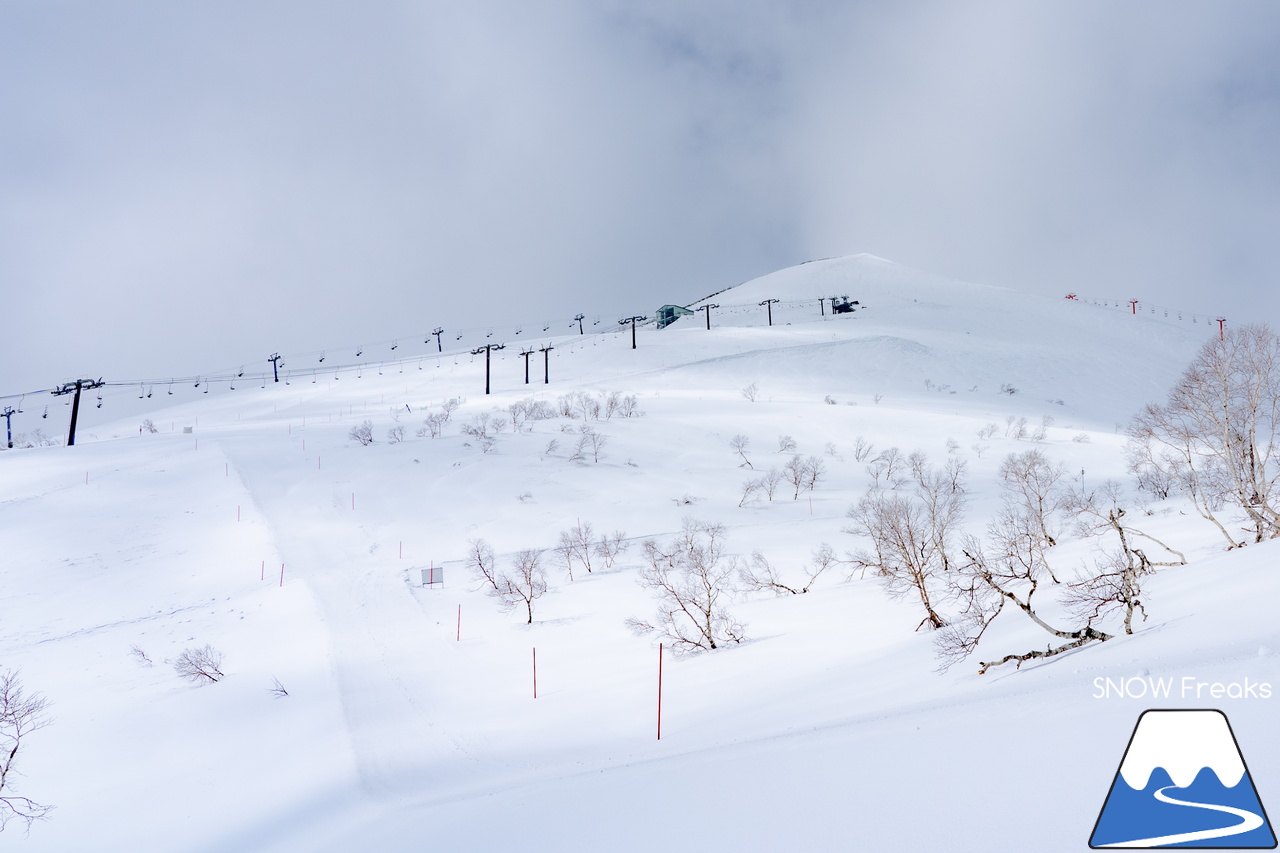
(186, 186)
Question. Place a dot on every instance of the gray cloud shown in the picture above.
(187, 187)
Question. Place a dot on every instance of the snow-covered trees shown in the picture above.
(21, 713)
(691, 577)
(1216, 436)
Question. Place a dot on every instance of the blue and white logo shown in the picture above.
(1183, 783)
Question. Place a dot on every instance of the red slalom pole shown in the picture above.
(282, 575)
(659, 691)
(535, 672)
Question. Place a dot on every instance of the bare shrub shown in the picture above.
(786, 444)
(395, 435)
(479, 427)
(751, 392)
(739, 444)
(362, 433)
(988, 432)
(862, 449)
(148, 426)
(200, 666)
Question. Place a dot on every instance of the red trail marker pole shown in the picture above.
(535, 672)
(458, 638)
(282, 574)
(659, 691)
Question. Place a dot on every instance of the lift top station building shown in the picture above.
(668, 314)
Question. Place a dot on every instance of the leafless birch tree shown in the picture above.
(691, 577)
(21, 713)
(1216, 435)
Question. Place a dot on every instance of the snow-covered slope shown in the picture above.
(410, 720)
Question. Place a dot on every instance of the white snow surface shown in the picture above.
(1183, 743)
(269, 534)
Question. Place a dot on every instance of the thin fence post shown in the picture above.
(659, 691)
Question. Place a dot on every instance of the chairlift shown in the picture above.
(141, 391)
(241, 373)
(24, 396)
(149, 390)
(170, 389)
(321, 357)
(206, 387)
(99, 399)
(394, 345)
(359, 350)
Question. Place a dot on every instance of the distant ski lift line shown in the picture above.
(1138, 307)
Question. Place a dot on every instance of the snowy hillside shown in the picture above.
(410, 721)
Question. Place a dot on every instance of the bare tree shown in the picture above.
(20, 715)
(1010, 572)
(770, 481)
(609, 548)
(525, 584)
(480, 561)
(912, 538)
(1216, 435)
(750, 491)
(362, 433)
(577, 543)
(1115, 584)
(692, 578)
(751, 392)
(739, 444)
(786, 444)
(1033, 488)
(448, 407)
(590, 443)
(200, 666)
(862, 449)
(803, 474)
(395, 435)
(759, 573)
